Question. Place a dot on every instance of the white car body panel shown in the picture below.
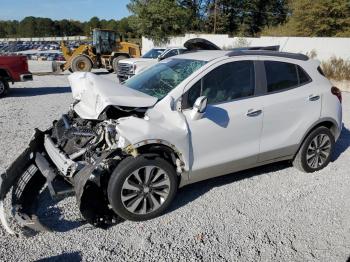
(286, 114)
(96, 93)
(226, 139)
(162, 125)
(226, 130)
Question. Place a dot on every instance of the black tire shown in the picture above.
(124, 171)
(81, 64)
(301, 159)
(115, 62)
(4, 87)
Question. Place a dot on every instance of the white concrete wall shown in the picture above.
(325, 47)
(65, 38)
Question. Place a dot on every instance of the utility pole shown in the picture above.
(214, 16)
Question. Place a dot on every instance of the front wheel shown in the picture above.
(316, 151)
(142, 188)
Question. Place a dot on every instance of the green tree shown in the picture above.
(321, 17)
(44, 27)
(27, 27)
(197, 11)
(159, 19)
(315, 18)
(244, 17)
(2, 29)
(68, 28)
(93, 23)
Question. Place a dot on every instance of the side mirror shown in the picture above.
(199, 108)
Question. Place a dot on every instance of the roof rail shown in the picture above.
(269, 48)
(269, 53)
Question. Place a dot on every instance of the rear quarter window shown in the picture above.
(281, 76)
(304, 78)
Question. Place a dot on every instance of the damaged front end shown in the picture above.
(106, 125)
(75, 156)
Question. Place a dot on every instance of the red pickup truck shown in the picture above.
(13, 69)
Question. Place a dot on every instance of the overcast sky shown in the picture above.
(81, 10)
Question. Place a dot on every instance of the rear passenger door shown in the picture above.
(292, 104)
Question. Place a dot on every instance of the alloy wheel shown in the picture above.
(145, 190)
(318, 151)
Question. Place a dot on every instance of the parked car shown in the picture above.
(13, 69)
(130, 67)
(125, 149)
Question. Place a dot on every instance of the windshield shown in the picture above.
(153, 53)
(160, 79)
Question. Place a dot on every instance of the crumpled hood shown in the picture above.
(96, 93)
(136, 60)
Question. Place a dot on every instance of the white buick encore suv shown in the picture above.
(125, 149)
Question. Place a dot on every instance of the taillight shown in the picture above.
(335, 91)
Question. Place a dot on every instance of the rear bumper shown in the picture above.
(26, 77)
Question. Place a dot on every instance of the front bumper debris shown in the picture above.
(28, 181)
(28, 175)
(43, 164)
(62, 162)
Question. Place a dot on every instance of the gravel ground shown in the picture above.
(268, 213)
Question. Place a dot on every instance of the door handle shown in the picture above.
(254, 112)
(314, 97)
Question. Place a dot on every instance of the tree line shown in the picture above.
(45, 27)
(160, 19)
(157, 19)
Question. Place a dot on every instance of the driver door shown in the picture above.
(227, 137)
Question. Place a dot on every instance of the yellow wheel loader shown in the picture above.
(105, 52)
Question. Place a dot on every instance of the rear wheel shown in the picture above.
(4, 87)
(316, 151)
(142, 188)
(81, 64)
(115, 62)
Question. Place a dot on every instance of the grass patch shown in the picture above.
(336, 69)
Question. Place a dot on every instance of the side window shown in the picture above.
(303, 76)
(171, 53)
(194, 93)
(181, 51)
(229, 81)
(280, 76)
(225, 83)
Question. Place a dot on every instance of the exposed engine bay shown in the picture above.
(75, 156)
